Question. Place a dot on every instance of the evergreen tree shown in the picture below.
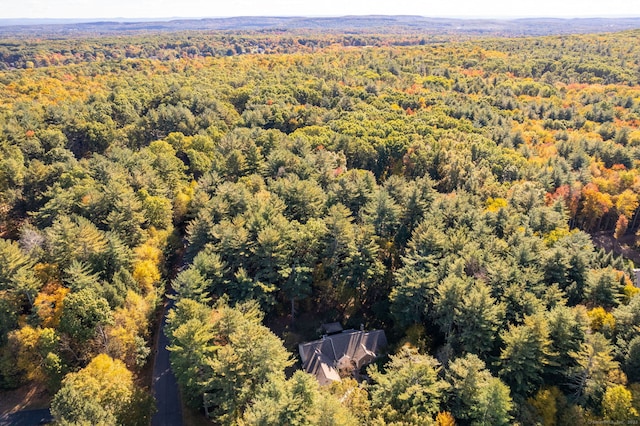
(16, 273)
(408, 390)
(475, 395)
(190, 284)
(567, 332)
(477, 320)
(590, 377)
(604, 288)
(525, 355)
(632, 361)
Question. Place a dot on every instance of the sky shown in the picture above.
(89, 9)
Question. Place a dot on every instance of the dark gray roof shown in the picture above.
(332, 327)
(358, 348)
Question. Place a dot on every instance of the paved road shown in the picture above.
(165, 387)
(27, 418)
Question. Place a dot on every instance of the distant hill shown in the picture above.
(358, 24)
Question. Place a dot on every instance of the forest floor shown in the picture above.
(29, 397)
(626, 246)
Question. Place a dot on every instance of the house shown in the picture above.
(340, 354)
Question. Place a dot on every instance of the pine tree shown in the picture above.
(525, 355)
(16, 273)
(408, 390)
(78, 275)
(589, 378)
(632, 360)
(477, 320)
(191, 284)
(475, 395)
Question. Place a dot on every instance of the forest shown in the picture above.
(446, 191)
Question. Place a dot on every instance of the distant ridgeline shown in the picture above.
(361, 24)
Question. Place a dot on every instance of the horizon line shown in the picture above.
(460, 17)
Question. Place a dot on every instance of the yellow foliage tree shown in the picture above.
(545, 403)
(445, 418)
(48, 304)
(617, 405)
(126, 337)
(630, 291)
(146, 274)
(621, 226)
(149, 258)
(100, 393)
(182, 200)
(601, 320)
(595, 205)
(34, 350)
(627, 203)
(352, 396)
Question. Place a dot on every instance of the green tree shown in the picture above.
(209, 264)
(353, 189)
(242, 288)
(251, 355)
(449, 297)
(78, 275)
(191, 284)
(604, 288)
(477, 319)
(16, 273)
(567, 331)
(417, 280)
(627, 319)
(307, 248)
(192, 347)
(75, 238)
(632, 360)
(82, 313)
(126, 218)
(224, 355)
(157, 210)
(475, 395)
(304, 199)
(408, 390)
(383, 214)
(525, 355)
(594, 361)
(297, 401)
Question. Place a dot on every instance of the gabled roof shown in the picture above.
(324, 357)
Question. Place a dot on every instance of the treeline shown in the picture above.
(441, 192)
(582, 59)
(25, 52)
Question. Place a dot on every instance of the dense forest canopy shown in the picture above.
(444, 191)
